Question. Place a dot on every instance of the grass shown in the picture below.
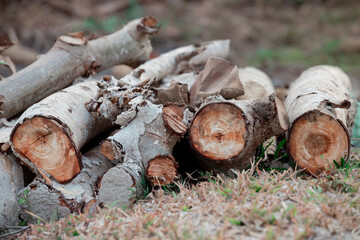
(255, 204)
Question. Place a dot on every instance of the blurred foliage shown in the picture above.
(356, 130)
(113, 22)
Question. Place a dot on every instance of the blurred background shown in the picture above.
(281, 37)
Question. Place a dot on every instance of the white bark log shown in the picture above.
(225, 134)
(321, 114)
(11, 182)
(70, 58)
(116, 94)
(48, 135)
(59, 200)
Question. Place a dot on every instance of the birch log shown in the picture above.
(225, 133)
(11, 182)
(116, 94)
(52, 201)
(72, 57)
(321, 114)
(48, 135)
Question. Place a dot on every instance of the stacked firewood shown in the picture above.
(57, 129)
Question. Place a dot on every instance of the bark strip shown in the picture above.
(116, 94)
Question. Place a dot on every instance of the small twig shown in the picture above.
(14, 232)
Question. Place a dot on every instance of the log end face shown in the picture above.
(117, 188)
(218, 131)
(44, 142)
(162, 170)
(316, 140)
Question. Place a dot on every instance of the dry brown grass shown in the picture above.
(254, 205)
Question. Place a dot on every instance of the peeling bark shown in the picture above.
(218, 77)
(53, 201)
(72, 57)
(225, 133)
(116, 94)
(48, 135)
(321, 114)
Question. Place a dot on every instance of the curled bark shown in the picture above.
(72, 57)
(321, 114)
(116, 94)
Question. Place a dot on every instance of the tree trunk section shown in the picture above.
(321, 114)
(53, 201)
(49, 134)
(72, 57)
(11, 183)
(225, 134)
(142, 148)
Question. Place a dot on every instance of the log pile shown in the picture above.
(62, 133)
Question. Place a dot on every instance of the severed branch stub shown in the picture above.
(48, 135)
(321, 114)
(71, 57)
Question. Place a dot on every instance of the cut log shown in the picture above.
(144, 147)
(225, 133)
(116, 94)
(72, 57)
(52, 200)
(48, 135)
(151, 136)
(321, 114)
(11, 183)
